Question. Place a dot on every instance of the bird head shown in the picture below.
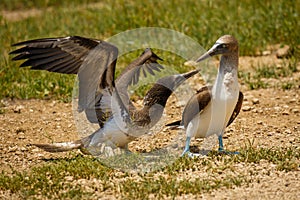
(225, 45)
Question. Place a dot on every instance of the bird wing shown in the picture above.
(146, 62)
(237, 108)
(93, 60)
(196, 104)
(63, 55)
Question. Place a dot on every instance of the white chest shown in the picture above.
(110, 134)
(215, 116)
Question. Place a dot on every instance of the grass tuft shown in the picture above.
(58, 177)
(205, 21)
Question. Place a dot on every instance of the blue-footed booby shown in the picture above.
(104, 100)
(212, 109)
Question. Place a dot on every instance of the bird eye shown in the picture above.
(222, 46)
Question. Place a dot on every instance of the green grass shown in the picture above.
(12, 5)
(257, 79)
(254, 23)
(51, 179)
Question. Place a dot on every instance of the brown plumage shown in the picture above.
(104, 100)
(214, 108)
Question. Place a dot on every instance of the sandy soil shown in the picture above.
(269, 118)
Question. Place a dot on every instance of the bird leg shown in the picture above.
(187, 149)
(221, 146)
(187, 146)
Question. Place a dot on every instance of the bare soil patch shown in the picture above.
(270, 118)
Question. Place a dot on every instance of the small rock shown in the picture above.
(53, 103)
(22, 149)
(255, 101)
(277, 108)
(266, 53)
(285, 112)
(69, 178)
(12, 149)
(180, 103)
(283, 52)
(270, 133)
(248, 97)
(287, 131)
(260, 122)
(295, 110)
(21, 135)
(246, 108)
(292, 100)
(18, 109)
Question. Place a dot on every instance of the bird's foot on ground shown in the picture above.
(192, 155)
(222, 151)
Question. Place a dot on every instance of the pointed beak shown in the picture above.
(211, 52)
(190, 74)
(180, 78)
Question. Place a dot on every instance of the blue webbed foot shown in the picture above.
(190, 154)
(222, 151)
(221, 147)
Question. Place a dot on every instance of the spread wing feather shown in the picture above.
(94, 61)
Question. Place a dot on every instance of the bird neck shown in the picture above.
(154, 104)
(158, 94)
(229, 64)
(227, 77)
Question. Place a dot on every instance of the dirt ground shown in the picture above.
(269, 118)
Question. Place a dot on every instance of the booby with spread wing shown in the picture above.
(104, 100)
(212, 109)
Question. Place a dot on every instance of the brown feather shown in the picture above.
(237, 108)
(196, 104)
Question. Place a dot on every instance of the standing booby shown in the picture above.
(103, 101)
(214, 108)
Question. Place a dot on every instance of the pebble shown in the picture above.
(270, 133)
(287, 131)
(255, 101)
(246, 108)
(21, 135)
(292, 100)
(295, 110)
(285, 112)
(266, 53)
(18, 109)
(260, 122)
(69, 178)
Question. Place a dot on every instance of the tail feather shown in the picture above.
(61, 146)
(176, 123)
